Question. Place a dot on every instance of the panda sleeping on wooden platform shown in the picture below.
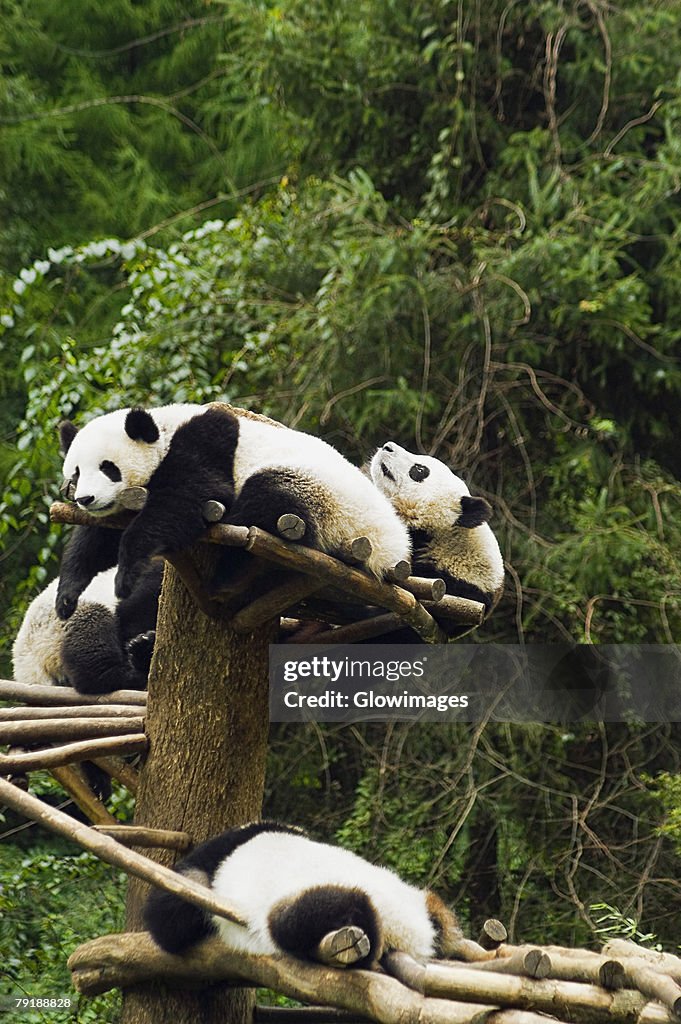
(105, 645)
(186, 455)
(449, 528)
(306, 899)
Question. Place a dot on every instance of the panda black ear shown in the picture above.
(474, 512)
(67, 432)
(139, 426)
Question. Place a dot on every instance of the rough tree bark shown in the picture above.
(207, 723)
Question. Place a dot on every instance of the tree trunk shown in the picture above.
(207, 723)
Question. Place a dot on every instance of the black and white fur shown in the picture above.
(291, 892)
(449, 528)
(105, 645)
(188, 454)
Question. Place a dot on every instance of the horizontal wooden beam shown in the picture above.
(54, 696)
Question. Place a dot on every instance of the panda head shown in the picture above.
(108, 455)
(424, 492)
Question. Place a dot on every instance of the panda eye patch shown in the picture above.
(111, 470)
(419, 472)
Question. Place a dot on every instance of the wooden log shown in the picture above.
(185, 567)
(31, 732)
(114, 853)
(424, 588)
(304, 1015)
(273, 603)
(571, 1001)
(669, 963)
(115, 961)
(213, 511)
(354, 632)
(316, 563)
(146, 838)
(610, 974)
(405, 969)
(69, 753)
(119, 770)
(580, 965)
(28, 693)
(399, 572)
(207, 722)
(493, 933)
(525, 961)
(458, 609)
(357, 552)
(133, 498)
(71, 778)
(291, 526)
(71, 711)
(243, 578)
(65, 512)
(343, 947)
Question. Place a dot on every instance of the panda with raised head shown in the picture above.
(306, 899)
(186, 455)
(449, 528)
(105, 645)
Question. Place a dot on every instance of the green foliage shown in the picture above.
(47, 895)
(613, 924)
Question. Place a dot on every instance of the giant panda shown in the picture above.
(292, 892)
(449, 528)
(187, 454)
(105, 645)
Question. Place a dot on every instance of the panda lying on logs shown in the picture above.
(105, 645)
(186, 455)
(449, 528)
(305, 899)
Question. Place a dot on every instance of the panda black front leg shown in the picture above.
(90, 549)
(196, 469)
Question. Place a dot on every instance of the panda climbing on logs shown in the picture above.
(186, 455)
(105, 645)
(306, 899)
(449, 528)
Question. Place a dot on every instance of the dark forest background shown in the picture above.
(452, 224)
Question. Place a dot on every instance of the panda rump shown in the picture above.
(292, 891)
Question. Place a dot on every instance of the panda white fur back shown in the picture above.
(292, 892)
(37, 649)
(253, 881)
(188, 454)
(335, 487)
(449, 529)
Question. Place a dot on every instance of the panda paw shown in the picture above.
(66, 603)
(343, 947)
(140, 649)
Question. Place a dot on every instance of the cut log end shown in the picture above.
(537, 964)
(213, 511)
(343, 947)
(493, 934)
(291, 526)
(611, 974)
(133, 498)
(357, 551)
(399, 572)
